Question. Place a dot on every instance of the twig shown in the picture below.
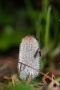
(45, 75)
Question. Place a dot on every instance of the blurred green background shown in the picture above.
(35, 17)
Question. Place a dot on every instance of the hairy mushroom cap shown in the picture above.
(29, 55)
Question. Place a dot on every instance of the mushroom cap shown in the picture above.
(29, 55)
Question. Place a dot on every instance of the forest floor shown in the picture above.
(9, 78)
